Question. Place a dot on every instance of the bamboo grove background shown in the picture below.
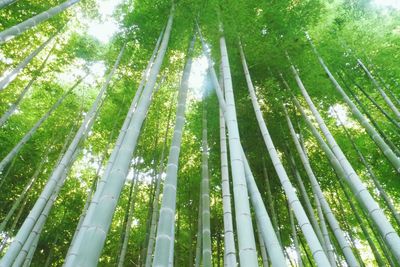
(287, 155)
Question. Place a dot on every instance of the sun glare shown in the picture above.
(198, 76)
(387, 3)
(108, 26)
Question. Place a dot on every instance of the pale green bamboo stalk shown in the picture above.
(309, 233)
(205, 193)
(34, 128)
(270, 202)
(98, 219)
(10, 111)
(369, 116)
(381, 91)
(156, 200)
(392, 120)
(93, 197)
(295, 239)
(229, 239)
(197, 260)
(394, 160)
(126, 146)
(385, 228)
(311, 215)
(20, 28)
(337, 231)
(263, 251)
(131, 203)
(267, 230)
(246, 240)
(165, 228)
(24, 192)
(29, 246)
(4, 3)
(361, 223)
(57, 174)
(8, 78)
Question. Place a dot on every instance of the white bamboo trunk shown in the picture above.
(4, 3)
(229, 239)
(8, 78)
(245, 232)
(98, 219)
(205, 194)
(166, 223)
(20, 28)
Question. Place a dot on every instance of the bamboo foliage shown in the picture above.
(154, 217)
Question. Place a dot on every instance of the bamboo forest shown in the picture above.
(215, 133)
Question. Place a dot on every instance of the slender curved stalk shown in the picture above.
(393, 121)
(35, 75)
(295, 239)
(35, 127)
(131, 205)
(29, 246)
(24, 192)
(267, 230)
(270, 201)
(229, 239)
(369, 116)
(205, 193)
(197, 260)
(20, 28)
(263, 251)
(155, 211)
(311, 215)
(381, 91)
(165, 228)
(391, 156)
(8, 78)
